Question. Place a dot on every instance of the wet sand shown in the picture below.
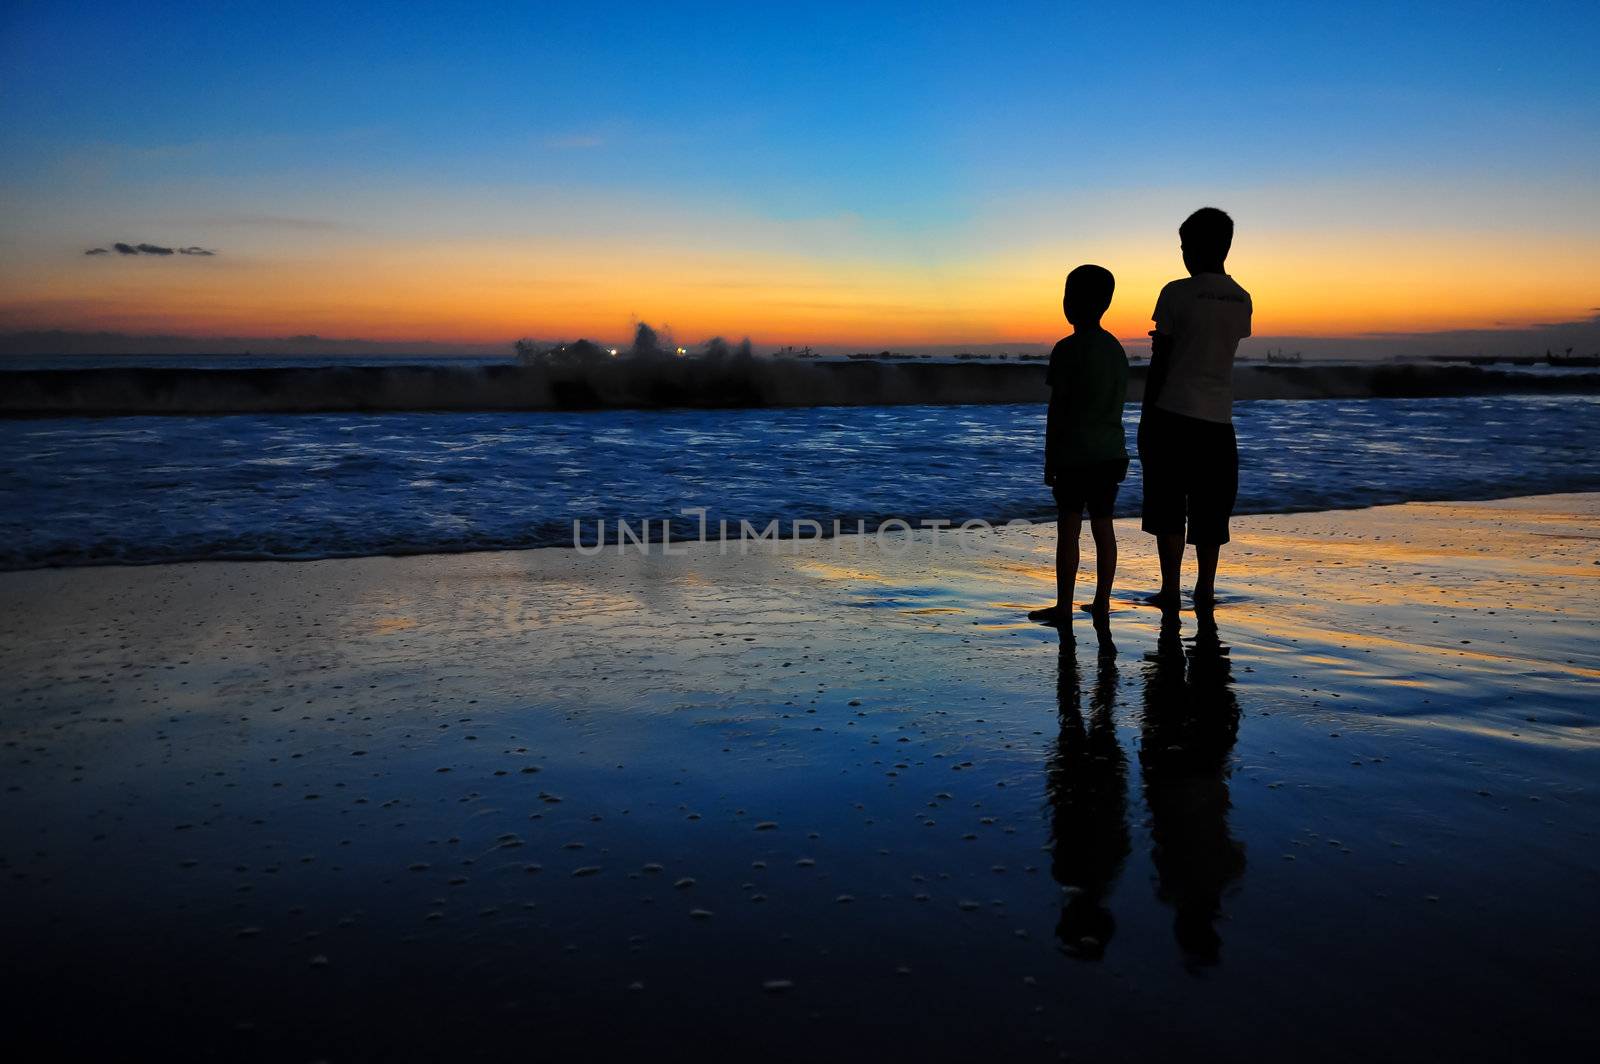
(829, 800)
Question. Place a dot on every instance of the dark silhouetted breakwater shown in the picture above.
(680, 383)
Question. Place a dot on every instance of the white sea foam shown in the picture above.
(81, 491)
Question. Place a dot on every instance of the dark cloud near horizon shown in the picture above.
(149, 249)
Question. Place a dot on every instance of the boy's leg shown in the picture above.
(1205, 583)
(1068, 529)
(1105, 563)
(1102, 507)
(1069, 520)
(1212, 507)
(1169, 548)
(1161, 455)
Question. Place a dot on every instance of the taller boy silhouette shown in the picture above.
(1187, 446)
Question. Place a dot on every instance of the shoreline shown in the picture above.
(654, 545)
(435, 805)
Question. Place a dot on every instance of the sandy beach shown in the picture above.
(822, 795)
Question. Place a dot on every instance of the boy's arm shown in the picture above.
(1053, 377)
(1160, 361)
(1049, 436)
(1160, 347)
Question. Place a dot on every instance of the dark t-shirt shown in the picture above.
(1088, 386)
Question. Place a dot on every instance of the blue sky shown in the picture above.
(932, 131)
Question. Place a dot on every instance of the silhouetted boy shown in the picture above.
(1187, 448)
(1085, 456)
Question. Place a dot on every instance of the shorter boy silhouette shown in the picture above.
(1085, 456)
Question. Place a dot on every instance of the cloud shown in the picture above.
(149, 249)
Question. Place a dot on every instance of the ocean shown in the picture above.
(126, 490)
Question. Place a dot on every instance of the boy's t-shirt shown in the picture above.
(1088, 380)
(1206, 315)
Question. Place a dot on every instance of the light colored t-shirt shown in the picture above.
(1206, 315)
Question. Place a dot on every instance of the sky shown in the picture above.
(833, 174)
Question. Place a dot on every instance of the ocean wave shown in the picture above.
(141, 490)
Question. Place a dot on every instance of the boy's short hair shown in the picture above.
(1089, 288)
(1208, 231)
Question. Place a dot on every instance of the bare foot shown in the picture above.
(1100, 607)
(1168, 601)
(1051, 615)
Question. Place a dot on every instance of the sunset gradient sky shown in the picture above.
(875, 175)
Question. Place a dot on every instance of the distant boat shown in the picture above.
(1570, 359)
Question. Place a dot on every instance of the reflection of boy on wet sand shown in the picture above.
(1086, 782)
(1191, 720)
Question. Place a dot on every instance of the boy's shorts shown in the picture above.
(1092, 487)
(1191, 475)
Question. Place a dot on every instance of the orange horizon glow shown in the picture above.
(1394, 175)
(488, 295)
